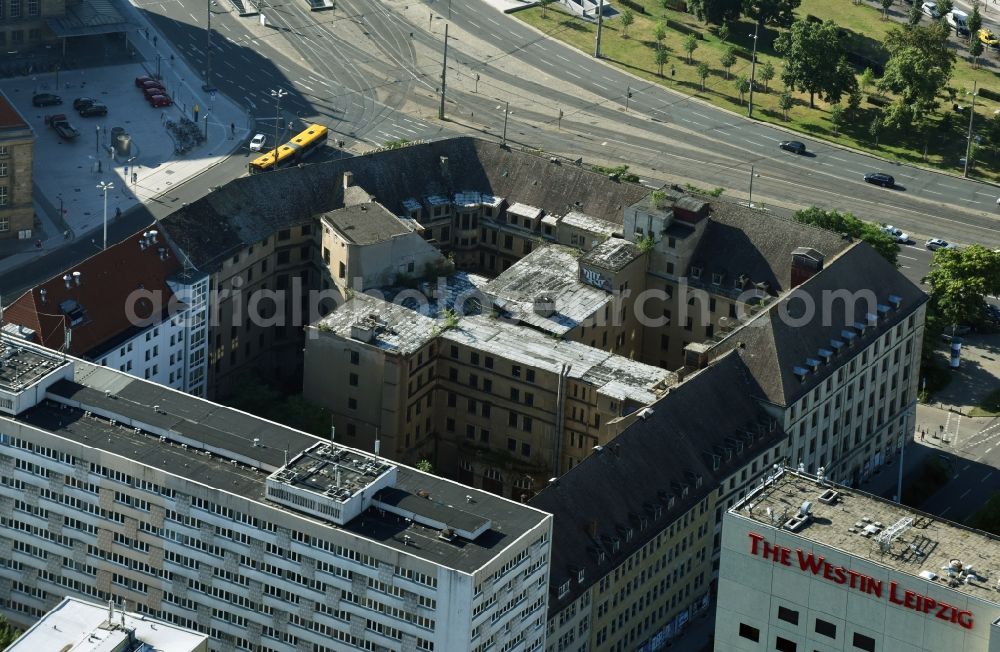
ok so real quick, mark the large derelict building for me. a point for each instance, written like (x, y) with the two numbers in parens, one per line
(262, 537)
(809, 565)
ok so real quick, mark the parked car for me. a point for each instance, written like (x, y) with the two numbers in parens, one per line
(153, 90)
(880, 179)
(988, 38)
(82, 102)
(793, 146)
(937, 243)
(152, 84)
(94, 110)
(898, 234)
(60, 124)
(257, 143)
(959, 20)
(159, 100)
(992, 312)
(139, 81)
(45, 99)
(930, 9)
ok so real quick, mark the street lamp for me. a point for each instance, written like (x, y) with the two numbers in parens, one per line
(129, 166)
(752, 175)
(105, 186)
(97, 141)
(277, 95)
(968, 144)
(753, 68)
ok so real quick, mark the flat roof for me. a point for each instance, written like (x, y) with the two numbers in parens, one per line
(21, 367)
(395, 327)
(550, 271)
(79, 626)
(366, 223)
(591, 224)
(611, 374)
(334, 469)
(882, 532)
(613, 254)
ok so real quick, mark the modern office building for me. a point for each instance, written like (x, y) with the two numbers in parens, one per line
(133, 307)
(262, 537)
(17, 148)
(76, 625)
(811, 565)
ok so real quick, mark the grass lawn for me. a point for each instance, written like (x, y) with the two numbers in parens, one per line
(636, 53)
(990, 407)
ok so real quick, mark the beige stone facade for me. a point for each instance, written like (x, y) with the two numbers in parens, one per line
(17, 140)
(22, 22)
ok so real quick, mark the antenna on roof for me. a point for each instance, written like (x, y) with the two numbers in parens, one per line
(333, 432)
(286, 457)
(378, 444)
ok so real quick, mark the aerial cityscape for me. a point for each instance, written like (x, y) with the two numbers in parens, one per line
(499, 325)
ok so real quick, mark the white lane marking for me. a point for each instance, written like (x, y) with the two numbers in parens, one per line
(474, 25)
(493, 21)
(907, 257)
(559, 56)
(603, 88)
(309, 88)
(965, 494)
(702, 115)
(541, 47)
(837, 158)
(987, 476)
(969, 201)
(572, 74)
(193, 17)
(229, 63)
(933, 192)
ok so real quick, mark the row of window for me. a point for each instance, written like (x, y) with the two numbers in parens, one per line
(822, 627)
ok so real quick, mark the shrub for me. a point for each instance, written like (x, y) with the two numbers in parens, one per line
(878, 100)
(634, 6)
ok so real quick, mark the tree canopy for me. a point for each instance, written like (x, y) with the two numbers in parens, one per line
(7, 633)
(771, 12)
(815, 61)
(715, 11)
(919, 66)
(848, 224)
(960, 280)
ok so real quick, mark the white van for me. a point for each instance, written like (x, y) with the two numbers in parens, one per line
(959, 20)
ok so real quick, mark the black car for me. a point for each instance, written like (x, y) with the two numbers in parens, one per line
(46, 99)
(93, 110)
(793, 146)
(880, 179)
(83, 102)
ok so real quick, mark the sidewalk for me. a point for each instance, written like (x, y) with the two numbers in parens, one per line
(66, 174)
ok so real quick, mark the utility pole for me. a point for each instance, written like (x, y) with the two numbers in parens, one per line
(628, 95)
(444, 72)
(600, 25)
(968, 143)
(277, 95)
(750, 200)
(506, 110)
(753, 68)
(208, 49)
(105, 187)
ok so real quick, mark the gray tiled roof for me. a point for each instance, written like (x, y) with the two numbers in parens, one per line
(773, 345)
(248, 209)
(760, 245)
(643, 466)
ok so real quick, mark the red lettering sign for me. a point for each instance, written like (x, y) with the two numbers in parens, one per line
(819, 566)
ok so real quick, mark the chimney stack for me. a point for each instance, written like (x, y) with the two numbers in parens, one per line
(76, 278)
(348, 180)
(806, 263)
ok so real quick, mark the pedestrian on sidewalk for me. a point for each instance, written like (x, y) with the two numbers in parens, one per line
(147, 33)
(118, 212)
(232, 130)
(155, 39)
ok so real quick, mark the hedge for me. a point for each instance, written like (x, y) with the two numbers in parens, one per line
(634, 6)
(879, 101)
(988, 94)
(676, 5)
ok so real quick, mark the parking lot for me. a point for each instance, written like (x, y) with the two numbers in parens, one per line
(67, 171)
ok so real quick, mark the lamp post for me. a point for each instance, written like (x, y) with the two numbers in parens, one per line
(97, 140)
(753, 68)
(506, 112)
(752, 175)
(277, 95)
(968, 143)
(105, 186)
(130, 166)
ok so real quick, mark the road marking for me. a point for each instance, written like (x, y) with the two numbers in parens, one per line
(837, 158)
(309, 88)
(251, 103)
(474, 25)
(987, 476)
(985, 194)
(907, 257)
(934, 192)
(702, 115)
(965, 494)
(493, 21)
(559, 56)
(945, 510)
(971, 201)
(571, 74)
(603, 88)
(966, 467)
(192, 17)
(541, 47)
(228, 63)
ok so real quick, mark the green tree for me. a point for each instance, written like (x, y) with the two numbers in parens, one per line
(815, 61)
(716, 12)
(913, 15)
(780, 13)
(661, 57)
(628, 17)
(785, 103)
(727, 59)
(660, 33)
(919, 66)
(766, 73)
(425, 466)
(848, 224)
(875, 129)
(544, 4)
(992, 132)
(690, 45)
(853, 102)
(976, 50)
(703, 71)
(975, 22)
(723, 32)
(885, 9)
(959, 281)
(7, 633)
(943, 7)
(742, 86)
(838, 118)
(866, 80)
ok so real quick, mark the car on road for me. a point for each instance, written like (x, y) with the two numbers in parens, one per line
(257, 143)
(992, 312)
(988, 38)
(793, 146)
(959, 20)
(82, 102)
(159, 100)
(937, 243)
(898, 234)
(880, 179)
(94, 110)
(930, 9)
(45, 99)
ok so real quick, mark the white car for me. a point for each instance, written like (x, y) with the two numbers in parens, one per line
(930, 9)
(898, 234)
(937, 243)
(257, 143)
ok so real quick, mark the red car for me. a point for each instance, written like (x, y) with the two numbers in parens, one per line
(150, 91)
(159, 100)
(152, 84)
(139, 81)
